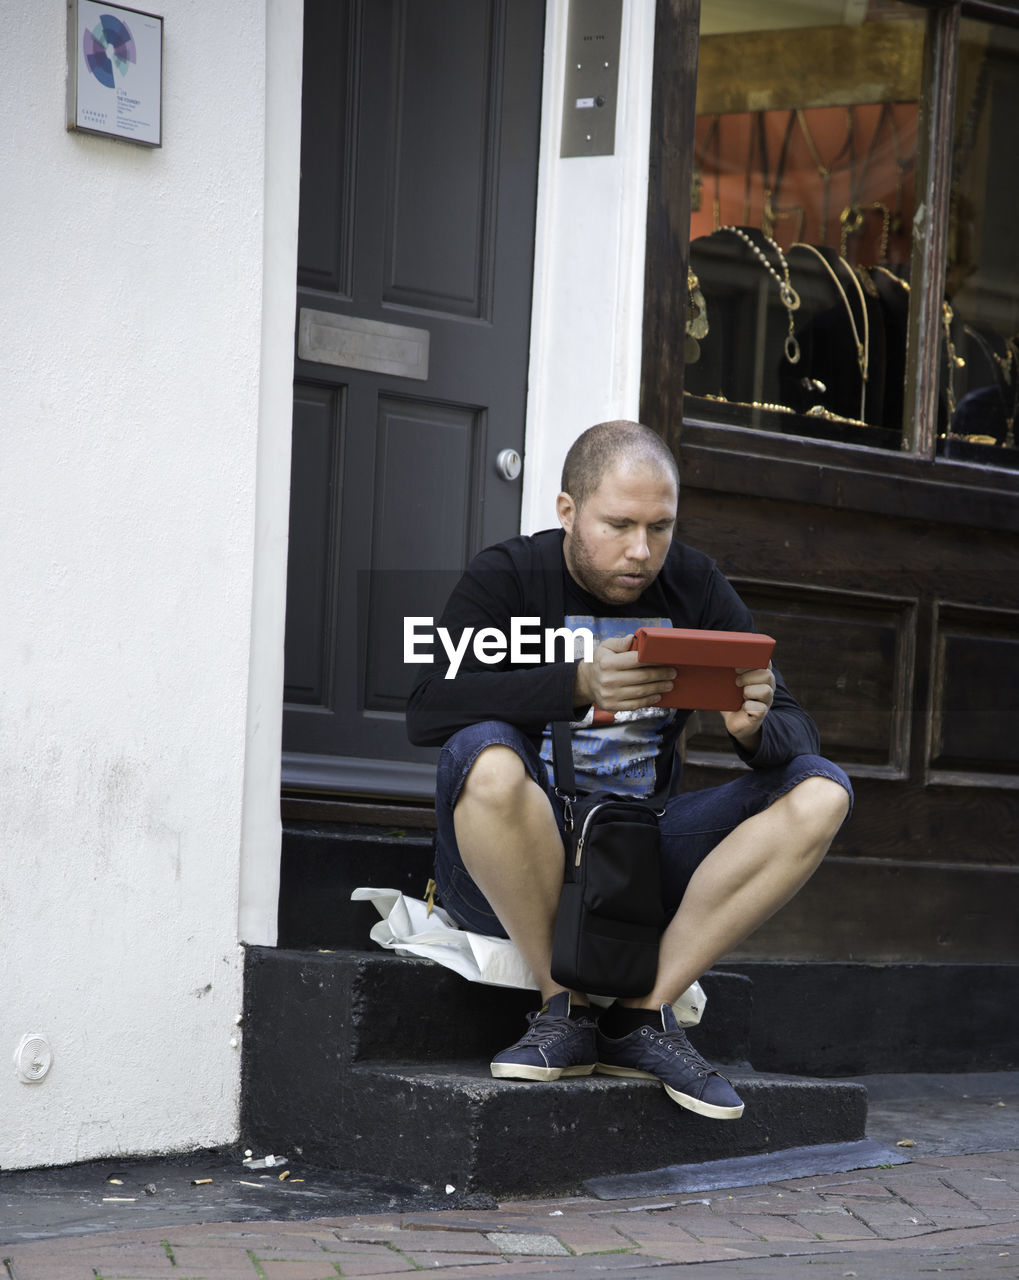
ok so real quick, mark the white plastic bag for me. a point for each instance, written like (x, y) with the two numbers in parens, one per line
(408, 929)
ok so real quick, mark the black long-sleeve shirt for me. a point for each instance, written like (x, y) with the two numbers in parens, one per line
(514, 579)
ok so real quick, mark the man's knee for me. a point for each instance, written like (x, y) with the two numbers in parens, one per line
(817, 803)
(495, 780)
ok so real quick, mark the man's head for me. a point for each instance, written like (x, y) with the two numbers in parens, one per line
(620, 488)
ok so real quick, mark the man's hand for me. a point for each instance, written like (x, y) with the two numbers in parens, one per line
(614, 680)
(758, 691)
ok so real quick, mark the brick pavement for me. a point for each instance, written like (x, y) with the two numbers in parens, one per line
(939, 1212)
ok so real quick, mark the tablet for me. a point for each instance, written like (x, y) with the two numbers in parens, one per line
(705, 663)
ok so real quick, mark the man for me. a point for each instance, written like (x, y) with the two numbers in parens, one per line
(732, 855)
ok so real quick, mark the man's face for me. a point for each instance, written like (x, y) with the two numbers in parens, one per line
(617, 541)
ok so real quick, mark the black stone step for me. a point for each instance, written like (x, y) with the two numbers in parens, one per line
(452, 1123)
(379, 1063)
(856, 1018)
(322, 863)
(360, 1007)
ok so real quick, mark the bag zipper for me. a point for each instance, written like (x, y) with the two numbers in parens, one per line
(587, 823)
(583, 830)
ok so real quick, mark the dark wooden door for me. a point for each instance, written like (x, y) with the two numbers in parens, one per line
(419, 167)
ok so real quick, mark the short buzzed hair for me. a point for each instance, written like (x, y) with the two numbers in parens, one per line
(603, 447)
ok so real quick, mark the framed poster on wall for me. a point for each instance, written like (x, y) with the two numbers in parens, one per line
(115, 72)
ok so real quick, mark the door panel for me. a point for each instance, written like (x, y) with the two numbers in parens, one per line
(445, 150)
(419, 166)
(316, 469)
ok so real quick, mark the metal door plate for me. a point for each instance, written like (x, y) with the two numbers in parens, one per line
(355, 343)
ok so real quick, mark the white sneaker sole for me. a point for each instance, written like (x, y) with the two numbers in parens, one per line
(513, 1071)
(684, 1099)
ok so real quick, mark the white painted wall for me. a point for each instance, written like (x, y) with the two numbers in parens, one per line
(587, 312)
(137, 540)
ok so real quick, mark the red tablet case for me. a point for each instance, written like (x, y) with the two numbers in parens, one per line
(705, 663)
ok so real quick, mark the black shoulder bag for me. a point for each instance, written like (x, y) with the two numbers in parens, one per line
(610, 917)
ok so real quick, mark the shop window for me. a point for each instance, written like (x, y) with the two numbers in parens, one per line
(980, 349)
(802, 216)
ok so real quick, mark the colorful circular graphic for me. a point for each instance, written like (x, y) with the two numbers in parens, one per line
(109, 44)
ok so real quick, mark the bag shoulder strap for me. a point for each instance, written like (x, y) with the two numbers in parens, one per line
(562, 739)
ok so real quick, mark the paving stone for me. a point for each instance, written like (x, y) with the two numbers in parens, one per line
(592, 1237)
(933, 1190)
(516, 1242)
(431, 1241)
(145, 1261)
(432, 1261)
(330, 1245)
(503, 1270)
(235, 1271)
(196, 1259)
(702, 1226)
(298, 1251)
(770, 1201)
(373, 1262)
(692, 1251)
(454, 1221)
(985, 1190)
(648, 1230)
(41, 1267)
(299, 1270)
(858, 1189)
(769, 1227)
(139, 1271)
(834, 1223)
(892, 1220)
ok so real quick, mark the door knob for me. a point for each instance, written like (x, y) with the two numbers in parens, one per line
(508, 464)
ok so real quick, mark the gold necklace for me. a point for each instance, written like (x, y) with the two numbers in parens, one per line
(790, 298)
(953, 360)
(862, 345)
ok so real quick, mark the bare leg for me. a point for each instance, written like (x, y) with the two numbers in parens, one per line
(511, 846)
(755, 870)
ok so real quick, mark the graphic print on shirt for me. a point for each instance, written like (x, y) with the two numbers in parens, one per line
(620, 754)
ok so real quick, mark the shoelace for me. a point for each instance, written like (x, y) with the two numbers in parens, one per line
(545, 1027)
(676, 1042)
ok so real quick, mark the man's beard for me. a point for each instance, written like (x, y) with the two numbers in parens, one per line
(604, 584)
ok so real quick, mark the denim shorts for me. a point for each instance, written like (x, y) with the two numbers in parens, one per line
(693, 824)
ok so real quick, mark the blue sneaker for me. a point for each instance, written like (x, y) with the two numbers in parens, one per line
(668, 1056)
(555, 1045)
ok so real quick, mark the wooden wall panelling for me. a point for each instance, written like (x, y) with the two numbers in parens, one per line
(974, 697)
(889, 912)
(850, 659)
(871, 565)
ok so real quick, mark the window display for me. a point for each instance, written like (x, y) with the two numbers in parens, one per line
(802, 214)
(980, 369)
(802, 219)
(804, 204)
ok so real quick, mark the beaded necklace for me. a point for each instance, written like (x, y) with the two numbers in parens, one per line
(790, 298)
